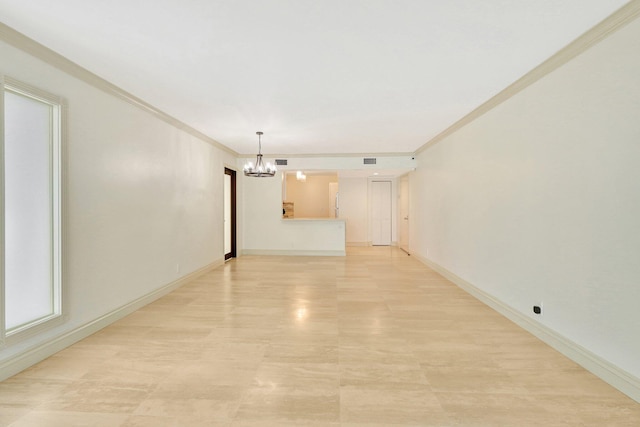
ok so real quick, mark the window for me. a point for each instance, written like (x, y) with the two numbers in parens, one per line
(30, 228)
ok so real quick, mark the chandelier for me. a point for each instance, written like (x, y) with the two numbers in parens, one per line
(259, 170)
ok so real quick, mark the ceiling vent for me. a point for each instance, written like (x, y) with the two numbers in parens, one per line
(281, 162)
(369, 160)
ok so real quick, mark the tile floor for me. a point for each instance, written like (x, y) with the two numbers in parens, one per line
(371, 339)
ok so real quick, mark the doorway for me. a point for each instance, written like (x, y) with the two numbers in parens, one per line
(404, 213)
(229, 213)
(381, 213)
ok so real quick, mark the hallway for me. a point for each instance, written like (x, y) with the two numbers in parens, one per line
(371, 339)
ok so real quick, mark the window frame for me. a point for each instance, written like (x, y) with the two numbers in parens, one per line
(57, 175)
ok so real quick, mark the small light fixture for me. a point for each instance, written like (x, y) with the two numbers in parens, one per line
(300, 176)
(259, 170)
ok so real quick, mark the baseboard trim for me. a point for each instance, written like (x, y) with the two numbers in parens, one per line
(613, 375)
(358, 244)
(31, 356)
(292, 252)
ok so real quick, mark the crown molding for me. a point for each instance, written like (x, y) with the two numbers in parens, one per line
(320, 155)
(43, 53)
(601, 31)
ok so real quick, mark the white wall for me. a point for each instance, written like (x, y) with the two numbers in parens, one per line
(266, 232)
(354, 209)
(354, 199)
(538, 200)
(348, 162)
(142, 197)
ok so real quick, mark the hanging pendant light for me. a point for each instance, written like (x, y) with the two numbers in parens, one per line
(260, 170)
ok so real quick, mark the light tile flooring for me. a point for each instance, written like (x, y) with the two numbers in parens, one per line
(371, 339)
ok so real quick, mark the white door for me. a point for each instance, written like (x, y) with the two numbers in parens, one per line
(381, 213)
(404, 213)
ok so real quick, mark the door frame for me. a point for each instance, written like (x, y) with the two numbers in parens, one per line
(233, 252)
(404, 207)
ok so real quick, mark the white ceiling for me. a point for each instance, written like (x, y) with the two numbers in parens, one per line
(317, 76)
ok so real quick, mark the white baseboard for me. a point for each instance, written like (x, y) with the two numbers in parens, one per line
(292, 252)
(364, 244)
(618, 378)
(33, 355)
(358, 244)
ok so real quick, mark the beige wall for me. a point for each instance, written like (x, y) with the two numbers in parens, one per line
(310, 197)
(354, 208)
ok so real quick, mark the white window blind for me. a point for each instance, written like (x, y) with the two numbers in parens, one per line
(31, 214)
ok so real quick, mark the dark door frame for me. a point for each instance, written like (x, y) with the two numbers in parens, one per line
(232, 174)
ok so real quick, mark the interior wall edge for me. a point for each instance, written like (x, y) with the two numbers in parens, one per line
(623, 16)
(31, 356)
(280, 252)
(611, 374)
(359, 244)
(331, 155)
(50, 57)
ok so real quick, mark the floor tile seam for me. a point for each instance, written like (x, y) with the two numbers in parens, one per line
(42, 408)
(147, 387)
(377, 383)
(519, 393)
(180, 399)
(64, 412)
(28, 405)
(243, 401)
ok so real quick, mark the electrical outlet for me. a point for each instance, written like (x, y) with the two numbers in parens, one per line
(177, 268)
(537, 309)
